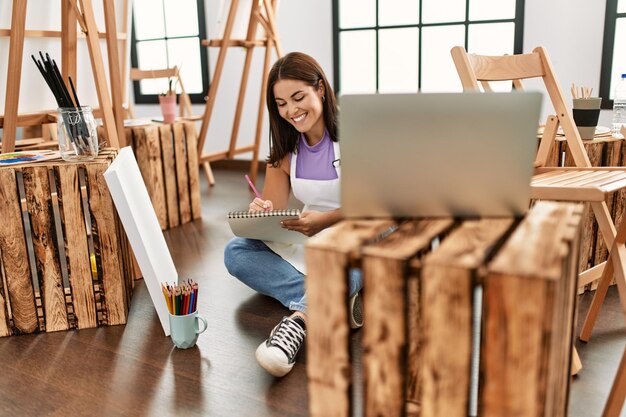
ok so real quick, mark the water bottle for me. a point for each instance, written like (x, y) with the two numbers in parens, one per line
(619, 107)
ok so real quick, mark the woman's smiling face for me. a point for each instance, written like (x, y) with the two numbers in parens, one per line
(301, 105)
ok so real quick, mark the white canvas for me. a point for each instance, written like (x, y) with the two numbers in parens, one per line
(131, 199)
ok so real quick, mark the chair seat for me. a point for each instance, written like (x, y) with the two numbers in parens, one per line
(577, 185)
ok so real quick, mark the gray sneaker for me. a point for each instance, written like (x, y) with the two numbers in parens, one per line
(278, 353)
(356, 311)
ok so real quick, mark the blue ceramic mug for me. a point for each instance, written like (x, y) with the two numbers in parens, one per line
(185, 329)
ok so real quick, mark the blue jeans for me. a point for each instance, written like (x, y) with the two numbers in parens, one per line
(257, 266)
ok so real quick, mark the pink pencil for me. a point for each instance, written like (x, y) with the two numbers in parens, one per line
(256, 192)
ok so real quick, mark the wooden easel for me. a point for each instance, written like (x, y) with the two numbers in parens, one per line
(262, 12)
(72, 13)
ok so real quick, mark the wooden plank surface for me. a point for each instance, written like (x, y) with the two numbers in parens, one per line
(528, 339)
(193, 167)
(38, 201)
(104, 217)
(169, 169)
(76, 246)
(155, 175)
(182, 175)
(543, 251)
(5, 329)
(328, 258)
(384, 337)
(448, 278)
(15, 257)
(414, 340)
(514, 377)
(328, 363)
(148, 154)
(564, 360)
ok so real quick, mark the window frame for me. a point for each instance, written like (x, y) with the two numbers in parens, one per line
(196, 98)
(608, 45)
(518, 20)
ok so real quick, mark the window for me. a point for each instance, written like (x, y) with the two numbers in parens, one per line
(403, 46)
(167, 33)
(614, 50)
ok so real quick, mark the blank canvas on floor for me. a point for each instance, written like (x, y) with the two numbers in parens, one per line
(133, 205)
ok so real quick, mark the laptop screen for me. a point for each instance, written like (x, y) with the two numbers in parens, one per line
(431, 155)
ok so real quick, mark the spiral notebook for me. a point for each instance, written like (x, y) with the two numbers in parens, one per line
(265, 225)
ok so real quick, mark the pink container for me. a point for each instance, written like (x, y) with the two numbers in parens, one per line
(168, 108)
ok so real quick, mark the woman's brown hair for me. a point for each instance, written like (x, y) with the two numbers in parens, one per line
(301, 67)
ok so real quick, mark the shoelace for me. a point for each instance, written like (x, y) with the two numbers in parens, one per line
(288, 336)
(357, 310)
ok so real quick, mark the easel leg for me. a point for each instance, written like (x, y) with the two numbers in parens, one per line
(115, 73)
(14, 76)
(271, 41)
(68, 41)
(221, 58)
(209, 173)
(254, 165)
(97, 66)
(240, 101)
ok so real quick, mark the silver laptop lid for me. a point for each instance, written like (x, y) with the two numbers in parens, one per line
(450, 154)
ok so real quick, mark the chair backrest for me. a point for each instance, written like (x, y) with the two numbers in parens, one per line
(137, 74)
(474, 69)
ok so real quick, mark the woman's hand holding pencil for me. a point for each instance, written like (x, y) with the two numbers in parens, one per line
(181, 299)
(258, 204)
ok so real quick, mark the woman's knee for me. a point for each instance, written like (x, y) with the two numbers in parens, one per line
(231, 251)
(236, 252)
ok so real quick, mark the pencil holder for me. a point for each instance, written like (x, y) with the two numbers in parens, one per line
(76, 132)
(586, 112)
(168, 108)
(185, 329)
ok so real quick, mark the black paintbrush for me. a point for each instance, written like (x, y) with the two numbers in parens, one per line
(74, 91)
(59, 79)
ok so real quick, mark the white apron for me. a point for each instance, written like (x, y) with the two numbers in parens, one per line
(318, 195)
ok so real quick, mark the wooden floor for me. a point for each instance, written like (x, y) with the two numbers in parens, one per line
(134, 370)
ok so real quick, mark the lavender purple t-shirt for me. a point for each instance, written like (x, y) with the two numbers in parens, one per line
(316, 162)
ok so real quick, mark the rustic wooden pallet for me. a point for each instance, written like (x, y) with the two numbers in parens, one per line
(420, 278)
(64, 257)
(167, 156)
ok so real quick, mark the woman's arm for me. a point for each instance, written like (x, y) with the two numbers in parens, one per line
(276, 188)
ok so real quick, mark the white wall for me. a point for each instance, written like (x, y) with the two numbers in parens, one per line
(571, 30)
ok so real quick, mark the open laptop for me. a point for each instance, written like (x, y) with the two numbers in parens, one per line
(430, 155)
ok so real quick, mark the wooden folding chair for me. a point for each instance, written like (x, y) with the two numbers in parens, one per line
(615, 402)
(582, 182)
(184, 106)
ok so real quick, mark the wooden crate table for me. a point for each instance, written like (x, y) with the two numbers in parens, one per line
(64, 258)
(167, 156)
(420, 276)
